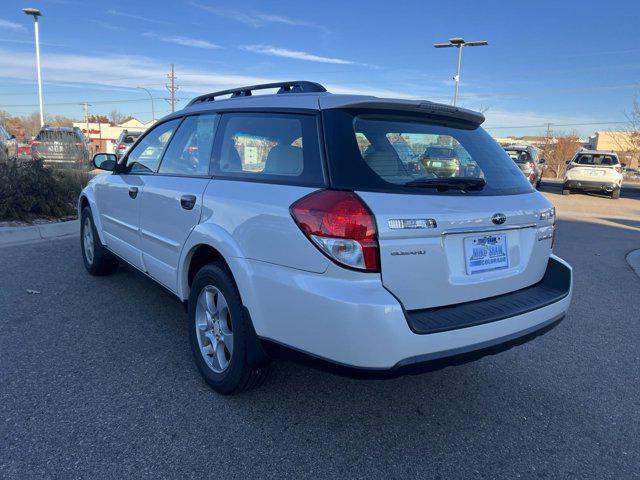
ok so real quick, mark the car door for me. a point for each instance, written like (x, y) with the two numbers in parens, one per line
(171, 201)
(118, 195)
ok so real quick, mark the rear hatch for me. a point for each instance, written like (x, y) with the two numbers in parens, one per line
(443, 240)
(462, 255)
(595, 167)
(59, 147)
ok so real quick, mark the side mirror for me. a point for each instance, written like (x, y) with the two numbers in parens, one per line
(568, 162)
(12, 137)
(542, 160)
(105, 161)
(623, 165)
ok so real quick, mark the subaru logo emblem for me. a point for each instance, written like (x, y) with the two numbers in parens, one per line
(499, 218)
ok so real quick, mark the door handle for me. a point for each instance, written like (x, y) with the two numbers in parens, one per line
(188, 201)
(133, 192)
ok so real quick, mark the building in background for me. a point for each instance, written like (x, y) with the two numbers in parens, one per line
(623, 143)
(104, 135)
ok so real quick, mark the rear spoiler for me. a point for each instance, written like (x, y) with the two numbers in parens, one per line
(418, 106)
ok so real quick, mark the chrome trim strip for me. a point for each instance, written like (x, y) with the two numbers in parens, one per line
(455, 231)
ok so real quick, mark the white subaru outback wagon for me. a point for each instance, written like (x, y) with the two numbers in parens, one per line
(307, 225)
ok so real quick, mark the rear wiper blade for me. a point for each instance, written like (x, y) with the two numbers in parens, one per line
(442, 184)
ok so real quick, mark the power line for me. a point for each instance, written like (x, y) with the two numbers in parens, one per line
(140, 100)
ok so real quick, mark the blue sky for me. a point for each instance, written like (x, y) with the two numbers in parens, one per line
(564, 62)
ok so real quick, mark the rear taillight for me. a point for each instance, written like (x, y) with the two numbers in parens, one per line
(35, 143)
(341, 225)
(618, 169)
(532, 176)
(121, 146)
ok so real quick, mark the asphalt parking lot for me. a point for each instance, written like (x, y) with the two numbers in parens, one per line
(97, 381)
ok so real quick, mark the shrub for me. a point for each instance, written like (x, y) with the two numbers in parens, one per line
(29, 190)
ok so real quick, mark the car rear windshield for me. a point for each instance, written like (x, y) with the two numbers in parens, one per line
(590, 159)
(410, 153)
(57, 136)
(130, 139)
(518, 156)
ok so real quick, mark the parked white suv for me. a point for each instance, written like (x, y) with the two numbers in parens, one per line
(594, 171)
(291, 227)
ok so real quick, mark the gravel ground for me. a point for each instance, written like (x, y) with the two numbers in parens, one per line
(96, 380)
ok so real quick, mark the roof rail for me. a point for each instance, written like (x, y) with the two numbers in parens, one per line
(301, 86)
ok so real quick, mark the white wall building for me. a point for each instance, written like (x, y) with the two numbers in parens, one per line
(104, 135)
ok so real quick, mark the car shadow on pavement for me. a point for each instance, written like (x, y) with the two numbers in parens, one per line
(624, 221)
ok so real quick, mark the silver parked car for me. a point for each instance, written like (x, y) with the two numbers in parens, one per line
(8, 145)
(124, 142)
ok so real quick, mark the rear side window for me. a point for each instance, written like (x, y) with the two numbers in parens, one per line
(589, 159)
(393, 152)
(279, 148)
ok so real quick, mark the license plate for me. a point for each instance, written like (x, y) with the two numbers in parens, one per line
(484, 253)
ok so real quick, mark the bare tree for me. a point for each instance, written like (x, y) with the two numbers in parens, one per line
(557, 150)
(117, 117)
(629, 142)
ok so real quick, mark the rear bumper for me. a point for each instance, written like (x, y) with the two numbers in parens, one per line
(349, 323)
(590, 185)
(414, 365)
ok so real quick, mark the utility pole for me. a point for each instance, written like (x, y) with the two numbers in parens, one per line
(86, 106)
(172, 88)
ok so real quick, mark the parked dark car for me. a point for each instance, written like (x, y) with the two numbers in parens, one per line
(8, 145)
(441, 161)
(529, 161)
(61, 147)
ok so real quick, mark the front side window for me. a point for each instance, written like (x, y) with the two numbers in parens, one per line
(189, 152)
(406, 152)
(145, 157)
(269, 147)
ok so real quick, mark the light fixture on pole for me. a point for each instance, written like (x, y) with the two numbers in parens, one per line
(153, 110)
(459, 43)
(35, 13)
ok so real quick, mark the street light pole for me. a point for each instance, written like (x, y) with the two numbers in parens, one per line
(459, 43)
(35, 13)
(153, 110)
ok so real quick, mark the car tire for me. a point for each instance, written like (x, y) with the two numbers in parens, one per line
(615, 194)
(97, 259)
(538, 184)
(566, 191)
(216, 314)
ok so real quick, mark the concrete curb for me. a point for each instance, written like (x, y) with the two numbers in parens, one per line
(633, 259)
(18, 235)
